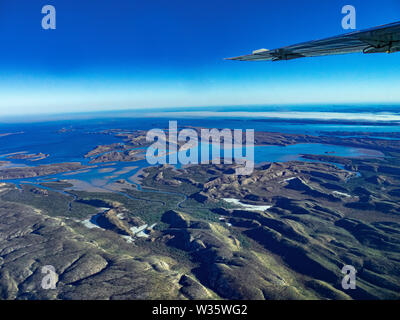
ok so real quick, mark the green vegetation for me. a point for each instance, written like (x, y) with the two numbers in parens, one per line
(148, 210)
(319, 218)
(50, 202)
(59, 185)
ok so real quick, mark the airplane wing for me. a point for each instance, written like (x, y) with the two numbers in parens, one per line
(379, 39)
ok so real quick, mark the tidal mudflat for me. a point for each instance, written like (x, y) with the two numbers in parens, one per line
(313, 203)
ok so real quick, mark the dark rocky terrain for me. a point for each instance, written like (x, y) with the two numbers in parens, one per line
(41, 170)
(296, 225)
(31, 157)
(319, 221)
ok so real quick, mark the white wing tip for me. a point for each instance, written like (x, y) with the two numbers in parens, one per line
(260, 50)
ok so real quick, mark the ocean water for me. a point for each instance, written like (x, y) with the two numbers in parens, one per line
(83, 135)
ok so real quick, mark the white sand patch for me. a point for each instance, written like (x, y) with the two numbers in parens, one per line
(342, 194)
(128, 239)
(89, 224)
(249, 207)
(142, 234)
(92, 225)
(152, 226)
(140, 231)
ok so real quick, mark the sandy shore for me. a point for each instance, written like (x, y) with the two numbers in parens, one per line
(135, 178)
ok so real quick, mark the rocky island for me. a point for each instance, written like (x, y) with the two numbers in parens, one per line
(202, 232)
(41, 170)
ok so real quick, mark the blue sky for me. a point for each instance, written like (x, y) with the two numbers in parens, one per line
(128, 54)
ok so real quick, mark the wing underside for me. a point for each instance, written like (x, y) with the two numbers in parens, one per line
(380, 39)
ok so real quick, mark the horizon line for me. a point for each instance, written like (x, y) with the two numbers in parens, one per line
(184, 111)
